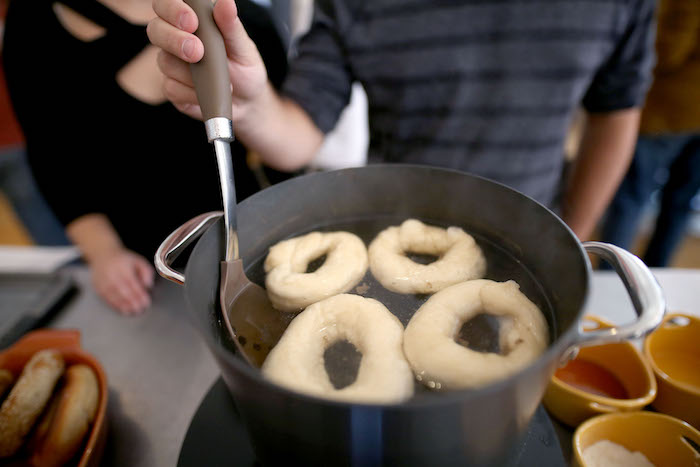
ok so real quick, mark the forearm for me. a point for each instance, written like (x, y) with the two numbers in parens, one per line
(603, 158)
(280, 131)
(121, 277)
(94, 236)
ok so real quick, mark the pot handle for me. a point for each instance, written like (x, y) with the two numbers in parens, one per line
(643, 289)
(172, 246)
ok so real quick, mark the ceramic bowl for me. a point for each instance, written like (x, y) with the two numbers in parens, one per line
(664, 440)
(66, 341)
(673, 350)
(601, 379)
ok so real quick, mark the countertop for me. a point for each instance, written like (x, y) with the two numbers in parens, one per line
(159, 369)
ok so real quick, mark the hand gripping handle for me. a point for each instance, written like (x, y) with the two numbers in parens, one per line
(210, 74)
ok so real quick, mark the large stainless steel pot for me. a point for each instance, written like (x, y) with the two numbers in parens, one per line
(523, 241)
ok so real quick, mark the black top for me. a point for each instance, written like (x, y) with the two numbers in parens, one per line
(93, 148)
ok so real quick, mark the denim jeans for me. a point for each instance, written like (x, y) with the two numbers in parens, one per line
(17, 183)
(670, 164)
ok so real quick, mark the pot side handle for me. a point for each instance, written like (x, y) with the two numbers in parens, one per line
(643, 289)
(172, 246)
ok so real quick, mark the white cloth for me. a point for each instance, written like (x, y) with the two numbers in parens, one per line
(346, 145)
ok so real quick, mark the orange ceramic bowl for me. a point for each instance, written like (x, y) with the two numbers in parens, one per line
(66, 341)
(674, 353)
(664, 440)
(621, 377)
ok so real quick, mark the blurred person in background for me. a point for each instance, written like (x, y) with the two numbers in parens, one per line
(667, 156)
(487, 88)
(120, 166)
(346, 144)
(16, 180)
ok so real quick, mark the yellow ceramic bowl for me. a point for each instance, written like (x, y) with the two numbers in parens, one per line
(621, 362)
(673, 351)
(661, 438)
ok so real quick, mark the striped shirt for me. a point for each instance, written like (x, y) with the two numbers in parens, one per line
(484, 86)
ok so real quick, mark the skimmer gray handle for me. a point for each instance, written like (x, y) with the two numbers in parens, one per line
(213, 86)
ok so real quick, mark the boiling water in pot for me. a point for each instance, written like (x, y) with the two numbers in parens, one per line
(481, 333)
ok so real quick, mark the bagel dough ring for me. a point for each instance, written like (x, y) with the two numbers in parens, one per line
(440, 362)
(297, 361)
(291, 288)
(460, 258)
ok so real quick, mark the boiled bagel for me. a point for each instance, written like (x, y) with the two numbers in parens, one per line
(62, 430)
(459, 257)
(297, 361)
(291, 288)
(28, 398)
(440, 362)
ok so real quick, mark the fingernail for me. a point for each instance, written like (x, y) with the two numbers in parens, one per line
(184, 21)
(188, 48)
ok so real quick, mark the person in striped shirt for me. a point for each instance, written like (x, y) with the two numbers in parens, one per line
(483, 86)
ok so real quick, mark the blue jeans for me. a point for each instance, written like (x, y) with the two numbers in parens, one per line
(17, 183)
(679, 158)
